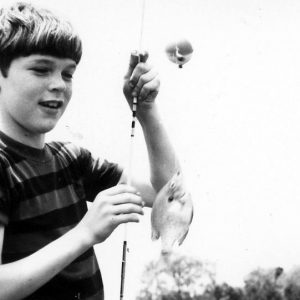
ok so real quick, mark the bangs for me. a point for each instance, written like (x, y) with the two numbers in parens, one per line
(28, 31)
(51, 40)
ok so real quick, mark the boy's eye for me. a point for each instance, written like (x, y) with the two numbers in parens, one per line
(40, 70)
(67, 75)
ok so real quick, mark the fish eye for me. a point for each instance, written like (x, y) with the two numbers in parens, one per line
(171, 198)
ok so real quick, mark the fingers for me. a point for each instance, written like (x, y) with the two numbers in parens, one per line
(149, 90)
(125, 208)
(144, 83)
(120, 188)
(135, 58)
(144, 56)
(127, 198)
(121, 219)
(112, 207)
(128, 209)
(144, 80)
(122, 195)
(141, 81)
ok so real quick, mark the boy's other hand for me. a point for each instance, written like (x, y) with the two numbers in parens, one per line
(112, 207)
(141, 81)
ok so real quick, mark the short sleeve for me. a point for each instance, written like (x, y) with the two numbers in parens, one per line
(4, 199)
(3, 211)
(99, 174)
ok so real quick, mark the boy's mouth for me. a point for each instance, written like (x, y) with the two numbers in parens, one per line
(53, 104)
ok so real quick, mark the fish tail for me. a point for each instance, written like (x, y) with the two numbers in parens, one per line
(165, 252)
(166, 246)
(164, 261)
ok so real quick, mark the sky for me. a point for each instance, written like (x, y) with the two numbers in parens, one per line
(232, 113)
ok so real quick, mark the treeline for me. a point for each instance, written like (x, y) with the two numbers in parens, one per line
(186, 278)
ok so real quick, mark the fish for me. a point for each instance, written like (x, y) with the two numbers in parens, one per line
(172, 214)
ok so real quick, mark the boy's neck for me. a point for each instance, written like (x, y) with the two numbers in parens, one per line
(24, 137)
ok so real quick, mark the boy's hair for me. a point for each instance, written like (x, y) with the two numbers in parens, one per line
(26, 30)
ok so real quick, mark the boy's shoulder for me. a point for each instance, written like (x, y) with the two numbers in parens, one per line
(63, 146)
(3, 150)
(12, 152)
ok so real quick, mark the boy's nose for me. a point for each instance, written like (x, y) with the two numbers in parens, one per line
(57, 83)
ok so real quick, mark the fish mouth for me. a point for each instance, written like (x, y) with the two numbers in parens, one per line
(181, 198)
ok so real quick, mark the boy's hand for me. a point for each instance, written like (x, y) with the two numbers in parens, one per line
(141, 81)
(112, 207)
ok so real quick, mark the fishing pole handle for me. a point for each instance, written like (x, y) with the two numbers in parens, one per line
(123, 269)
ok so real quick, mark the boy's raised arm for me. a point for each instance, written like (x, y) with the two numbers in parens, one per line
(142, 81)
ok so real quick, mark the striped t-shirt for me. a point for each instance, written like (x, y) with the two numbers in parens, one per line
(43, 194)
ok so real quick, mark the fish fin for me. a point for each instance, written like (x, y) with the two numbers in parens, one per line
(192, 215)
(154, 235)
(163, 263)
(182, 238)
(165, 257)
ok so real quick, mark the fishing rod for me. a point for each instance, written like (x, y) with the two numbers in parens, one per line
(131, 151)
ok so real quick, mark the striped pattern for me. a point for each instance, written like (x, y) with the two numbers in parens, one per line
(43, 194)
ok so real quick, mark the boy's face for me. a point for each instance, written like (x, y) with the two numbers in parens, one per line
(35, 93)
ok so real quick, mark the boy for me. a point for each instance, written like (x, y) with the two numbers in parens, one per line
(47, 233)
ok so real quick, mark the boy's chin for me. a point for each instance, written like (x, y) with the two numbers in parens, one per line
(45, 128)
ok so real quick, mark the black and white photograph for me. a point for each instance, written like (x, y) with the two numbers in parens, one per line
(150, 149)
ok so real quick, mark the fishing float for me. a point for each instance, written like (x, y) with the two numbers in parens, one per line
(179, 52)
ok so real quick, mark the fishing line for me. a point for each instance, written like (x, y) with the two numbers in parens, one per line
(131, 152)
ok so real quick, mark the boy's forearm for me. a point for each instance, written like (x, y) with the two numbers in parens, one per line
(162, 157)
(21, 278)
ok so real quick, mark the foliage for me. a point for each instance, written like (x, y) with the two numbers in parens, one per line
(175, 277)
(292, 286)
(185, 278)
(262, 285)
(226, 292)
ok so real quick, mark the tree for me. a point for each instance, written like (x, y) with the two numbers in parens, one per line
(227, 292)
(262, 285)
(176, 277)
(292, 285)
